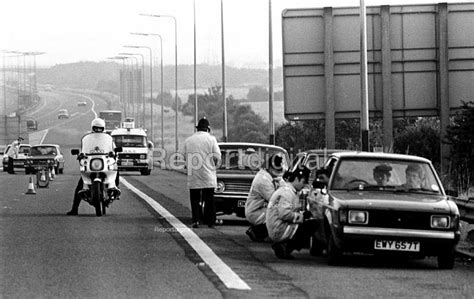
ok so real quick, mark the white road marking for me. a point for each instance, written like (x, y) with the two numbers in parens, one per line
(230, 279)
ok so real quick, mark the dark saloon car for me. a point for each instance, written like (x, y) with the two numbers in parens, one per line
(385, 204)
(45, 154)
(240, 162)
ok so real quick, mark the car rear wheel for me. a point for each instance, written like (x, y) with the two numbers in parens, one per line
(446, 260)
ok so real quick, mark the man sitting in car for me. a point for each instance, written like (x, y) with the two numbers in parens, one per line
(414, 176)
(381, 174)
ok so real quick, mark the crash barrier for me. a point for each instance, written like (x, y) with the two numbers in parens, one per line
(466, 208)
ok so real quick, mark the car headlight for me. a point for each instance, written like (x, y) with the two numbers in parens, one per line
(96, 164)
(440, 221)
(220, 187)
(142, 157)
(358, 217)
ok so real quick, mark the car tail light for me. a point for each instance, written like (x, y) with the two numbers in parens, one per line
(440, 221)
(358, 217)
(220, 187)
(96, 164)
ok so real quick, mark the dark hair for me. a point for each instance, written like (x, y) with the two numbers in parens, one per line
(383, 168)
(299, 173)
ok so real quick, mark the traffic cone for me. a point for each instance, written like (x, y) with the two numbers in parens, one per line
(31, 187)
(51, 174)
(43, 176)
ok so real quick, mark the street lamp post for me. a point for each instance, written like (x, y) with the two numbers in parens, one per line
(223, 74)
(151, 84)
(176, 68)
(132, 81)
(143, 84)
(161, 82)
(121, 79)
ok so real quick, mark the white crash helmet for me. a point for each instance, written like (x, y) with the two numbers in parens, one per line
(98, 125)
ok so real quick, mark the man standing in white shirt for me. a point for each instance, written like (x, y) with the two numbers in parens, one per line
(202, 153)
(12, 154)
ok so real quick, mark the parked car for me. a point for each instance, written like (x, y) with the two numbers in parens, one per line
(360, 212)
(18, 162)
(62, 113)
(81, 103)
(43, 153)
(240, 162)
(31, 124)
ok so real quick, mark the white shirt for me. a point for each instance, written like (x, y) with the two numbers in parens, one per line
(97, 143)
(200, 152)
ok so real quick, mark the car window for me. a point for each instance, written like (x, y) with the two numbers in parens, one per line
(351, 173)
(297, 161)
(24, 150)
(43, 150)
(248, 157)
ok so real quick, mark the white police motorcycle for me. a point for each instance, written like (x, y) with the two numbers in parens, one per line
(98, 166)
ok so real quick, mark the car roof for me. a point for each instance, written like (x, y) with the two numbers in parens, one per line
(45, 144)
(358, 154)
(248, 144)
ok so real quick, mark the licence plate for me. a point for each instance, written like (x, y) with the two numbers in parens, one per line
(241, 203)
(125, 163)
(413, 246)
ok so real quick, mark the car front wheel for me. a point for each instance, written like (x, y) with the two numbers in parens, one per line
(446, 260)
(334, 253)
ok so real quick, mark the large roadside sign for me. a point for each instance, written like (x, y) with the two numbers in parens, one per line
(420, 60)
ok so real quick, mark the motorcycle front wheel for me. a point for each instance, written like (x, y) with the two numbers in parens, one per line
(97, 194)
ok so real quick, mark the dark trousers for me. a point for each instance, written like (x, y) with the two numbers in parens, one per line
(303, 234)
(260, 231)
(203, 197)
(80, 185)
(11, 168)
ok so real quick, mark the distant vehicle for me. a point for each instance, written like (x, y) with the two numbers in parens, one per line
(32, 124)
(112, 118)
(19, 162)
(62, 113)
(137, 151)
(384, 204)
(81, 103)
(240, 163)
(43, 154)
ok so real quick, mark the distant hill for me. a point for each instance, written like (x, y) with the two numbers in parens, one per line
(97, 75)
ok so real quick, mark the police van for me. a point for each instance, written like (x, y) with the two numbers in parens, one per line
(137, 151)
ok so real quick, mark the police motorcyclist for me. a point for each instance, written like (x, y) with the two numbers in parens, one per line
(91, 140)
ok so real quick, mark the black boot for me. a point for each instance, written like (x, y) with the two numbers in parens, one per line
(72, 212)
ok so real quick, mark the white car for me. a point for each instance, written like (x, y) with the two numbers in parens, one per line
(40, 153)
(18, 162)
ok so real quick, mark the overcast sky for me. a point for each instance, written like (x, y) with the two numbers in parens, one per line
(92, 30)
